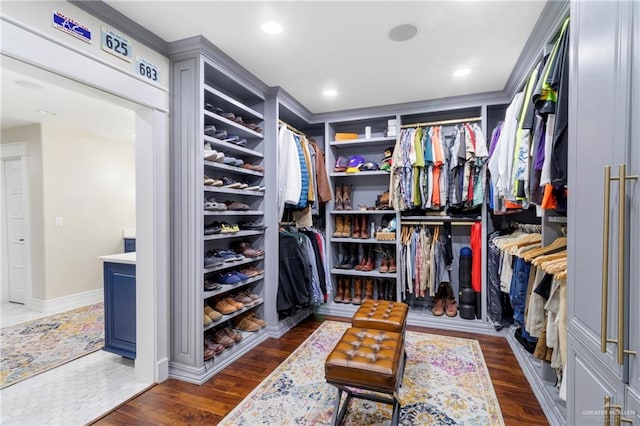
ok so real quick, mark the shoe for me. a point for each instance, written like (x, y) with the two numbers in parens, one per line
(252, 271)
(215, 347)
(212, 204)
(346, 197)
(228, 278)
(224, 307)
(227, 182)
(214, 109)
(233, 334)
(210, 285)
(235, 205)
(212, 155)
(357, 291)
(338, 205)
(256, 298)
(212, 228)
(212, 260)
(206, 320)
(243, 277)
(248, 251)
(339, 291)
(253, 317)
(253, 187)
(228, 115)
(220, 134)
(252, 225)
(208, 181)
(245, 324)
(210, 130)
(254, 167)
(244, 299)
(212, 313)
(233, 302)
(222, 339)
(339, 227)
(450, 307)
(226, 228)
(208, 353)
(229, 161)
(438, 307)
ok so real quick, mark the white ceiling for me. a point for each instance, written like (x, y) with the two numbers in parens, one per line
(75, 105)
(344, 45)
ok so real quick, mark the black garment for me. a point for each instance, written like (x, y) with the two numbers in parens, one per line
(494, 297)
(530, 115)
(295, 275)
(561, 135)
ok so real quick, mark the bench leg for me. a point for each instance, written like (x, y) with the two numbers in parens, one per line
(338, 413)
(395, 416)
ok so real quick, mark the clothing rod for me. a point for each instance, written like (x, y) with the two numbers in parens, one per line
(429, 222)
(293, 129)
(436, 123)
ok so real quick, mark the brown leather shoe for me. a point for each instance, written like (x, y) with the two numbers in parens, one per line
(438, 307)
(356, 227)
(339, 291)
(364, 233)
(451, 307)
(253, 317)
(233, 334)
(357, 291)
(346, 230)
(245, 324)
(347, 290)
(224, 307)
(222, 339)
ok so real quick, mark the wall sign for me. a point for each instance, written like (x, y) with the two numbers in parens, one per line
(147, 69)
(71, 26)
(116, 44)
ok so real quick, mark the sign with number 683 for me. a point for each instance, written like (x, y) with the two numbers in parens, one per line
(147, 70)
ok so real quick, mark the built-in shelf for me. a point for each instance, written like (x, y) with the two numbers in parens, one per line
(228, 104)
(557, 219)
(232, 315)
(232, 169)
(231, 353)
(226, 288)
(228, 147)
(437, 218)
(234, 264)
(360, 174)
(224, 190)
(371, 274)
(236, 129)
(361, 240)
(382, 141)
(238, 234)
(233, 213)
(363, 212)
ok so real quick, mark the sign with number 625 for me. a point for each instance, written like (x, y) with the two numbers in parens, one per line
(116, 44)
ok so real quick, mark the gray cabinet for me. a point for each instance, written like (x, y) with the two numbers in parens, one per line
(604, 272)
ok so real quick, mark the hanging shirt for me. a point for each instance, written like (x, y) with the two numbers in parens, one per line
(289, 171)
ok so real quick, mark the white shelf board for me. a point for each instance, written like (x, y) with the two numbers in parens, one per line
(360, 142)
(360, 174)
(234, 264)
(362, 212)
(226, 288)
(224, 190)
(360, 240)
(230, 147)
(371, 274)
(230, 101)
(232, 169)
(239, 234)
(233, 213)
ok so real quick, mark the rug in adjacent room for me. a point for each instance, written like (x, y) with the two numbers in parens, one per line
(36, 346)
(446, 382)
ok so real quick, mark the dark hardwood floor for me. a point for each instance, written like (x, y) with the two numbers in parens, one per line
(175, 402)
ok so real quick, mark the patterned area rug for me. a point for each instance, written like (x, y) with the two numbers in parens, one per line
(36, 346)
(446, 382)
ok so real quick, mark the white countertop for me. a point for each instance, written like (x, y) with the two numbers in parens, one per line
(120, 258)
(129, 233)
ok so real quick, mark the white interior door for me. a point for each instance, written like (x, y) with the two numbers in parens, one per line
(15, 230)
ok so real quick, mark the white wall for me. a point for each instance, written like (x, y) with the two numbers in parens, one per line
(88, 182)
(31, 135)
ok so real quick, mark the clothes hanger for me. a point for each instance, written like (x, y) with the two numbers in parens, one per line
(540, 259)
(559, 243)
(526, 240)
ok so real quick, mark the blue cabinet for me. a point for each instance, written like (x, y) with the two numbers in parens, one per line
(129, 245)
(120, 309)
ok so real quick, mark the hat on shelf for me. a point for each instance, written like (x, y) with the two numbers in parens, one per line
(354, 164)
(387, 160)
(369, 166)
(341, 164)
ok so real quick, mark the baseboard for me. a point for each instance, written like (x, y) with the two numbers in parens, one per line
(288, 323)
(66, 303)
(162, 370)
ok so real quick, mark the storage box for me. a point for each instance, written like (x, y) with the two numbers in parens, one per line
(346, 136)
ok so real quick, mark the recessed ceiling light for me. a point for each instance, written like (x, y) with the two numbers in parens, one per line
(271, 27)
(29, 85)
(45, 112)
(403, 32)
(330, 93)
(461, 72)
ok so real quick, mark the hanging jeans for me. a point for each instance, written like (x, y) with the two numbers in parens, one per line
(518, 290)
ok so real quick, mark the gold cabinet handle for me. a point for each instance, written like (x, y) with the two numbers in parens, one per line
(622, 204)
(617, 416)
(607, 409)
(605, 266)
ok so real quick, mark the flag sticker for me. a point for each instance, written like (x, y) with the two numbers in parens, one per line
(71, 26)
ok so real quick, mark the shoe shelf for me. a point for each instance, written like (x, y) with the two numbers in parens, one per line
(380, 141)
(226, 288)
(436, 218)
(361, 240)
(230, 354)
(227, 265)
(233, 213)
(360, 174)
(228, 104)
(239, 234)
(232, 169)
(372, 274)
(236, 129)
(224, 190)
(232, 315)
(362, 212)
(230, 147)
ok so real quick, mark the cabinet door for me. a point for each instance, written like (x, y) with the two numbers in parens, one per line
(120, 309)
(598, 132)
(588, 386)
(631, 408)
(633, 195)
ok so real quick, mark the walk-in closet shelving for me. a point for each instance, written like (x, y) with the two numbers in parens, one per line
(229, 107)
(370, 138)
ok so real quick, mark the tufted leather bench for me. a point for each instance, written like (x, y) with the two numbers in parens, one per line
(381, 315)
(366, 359)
